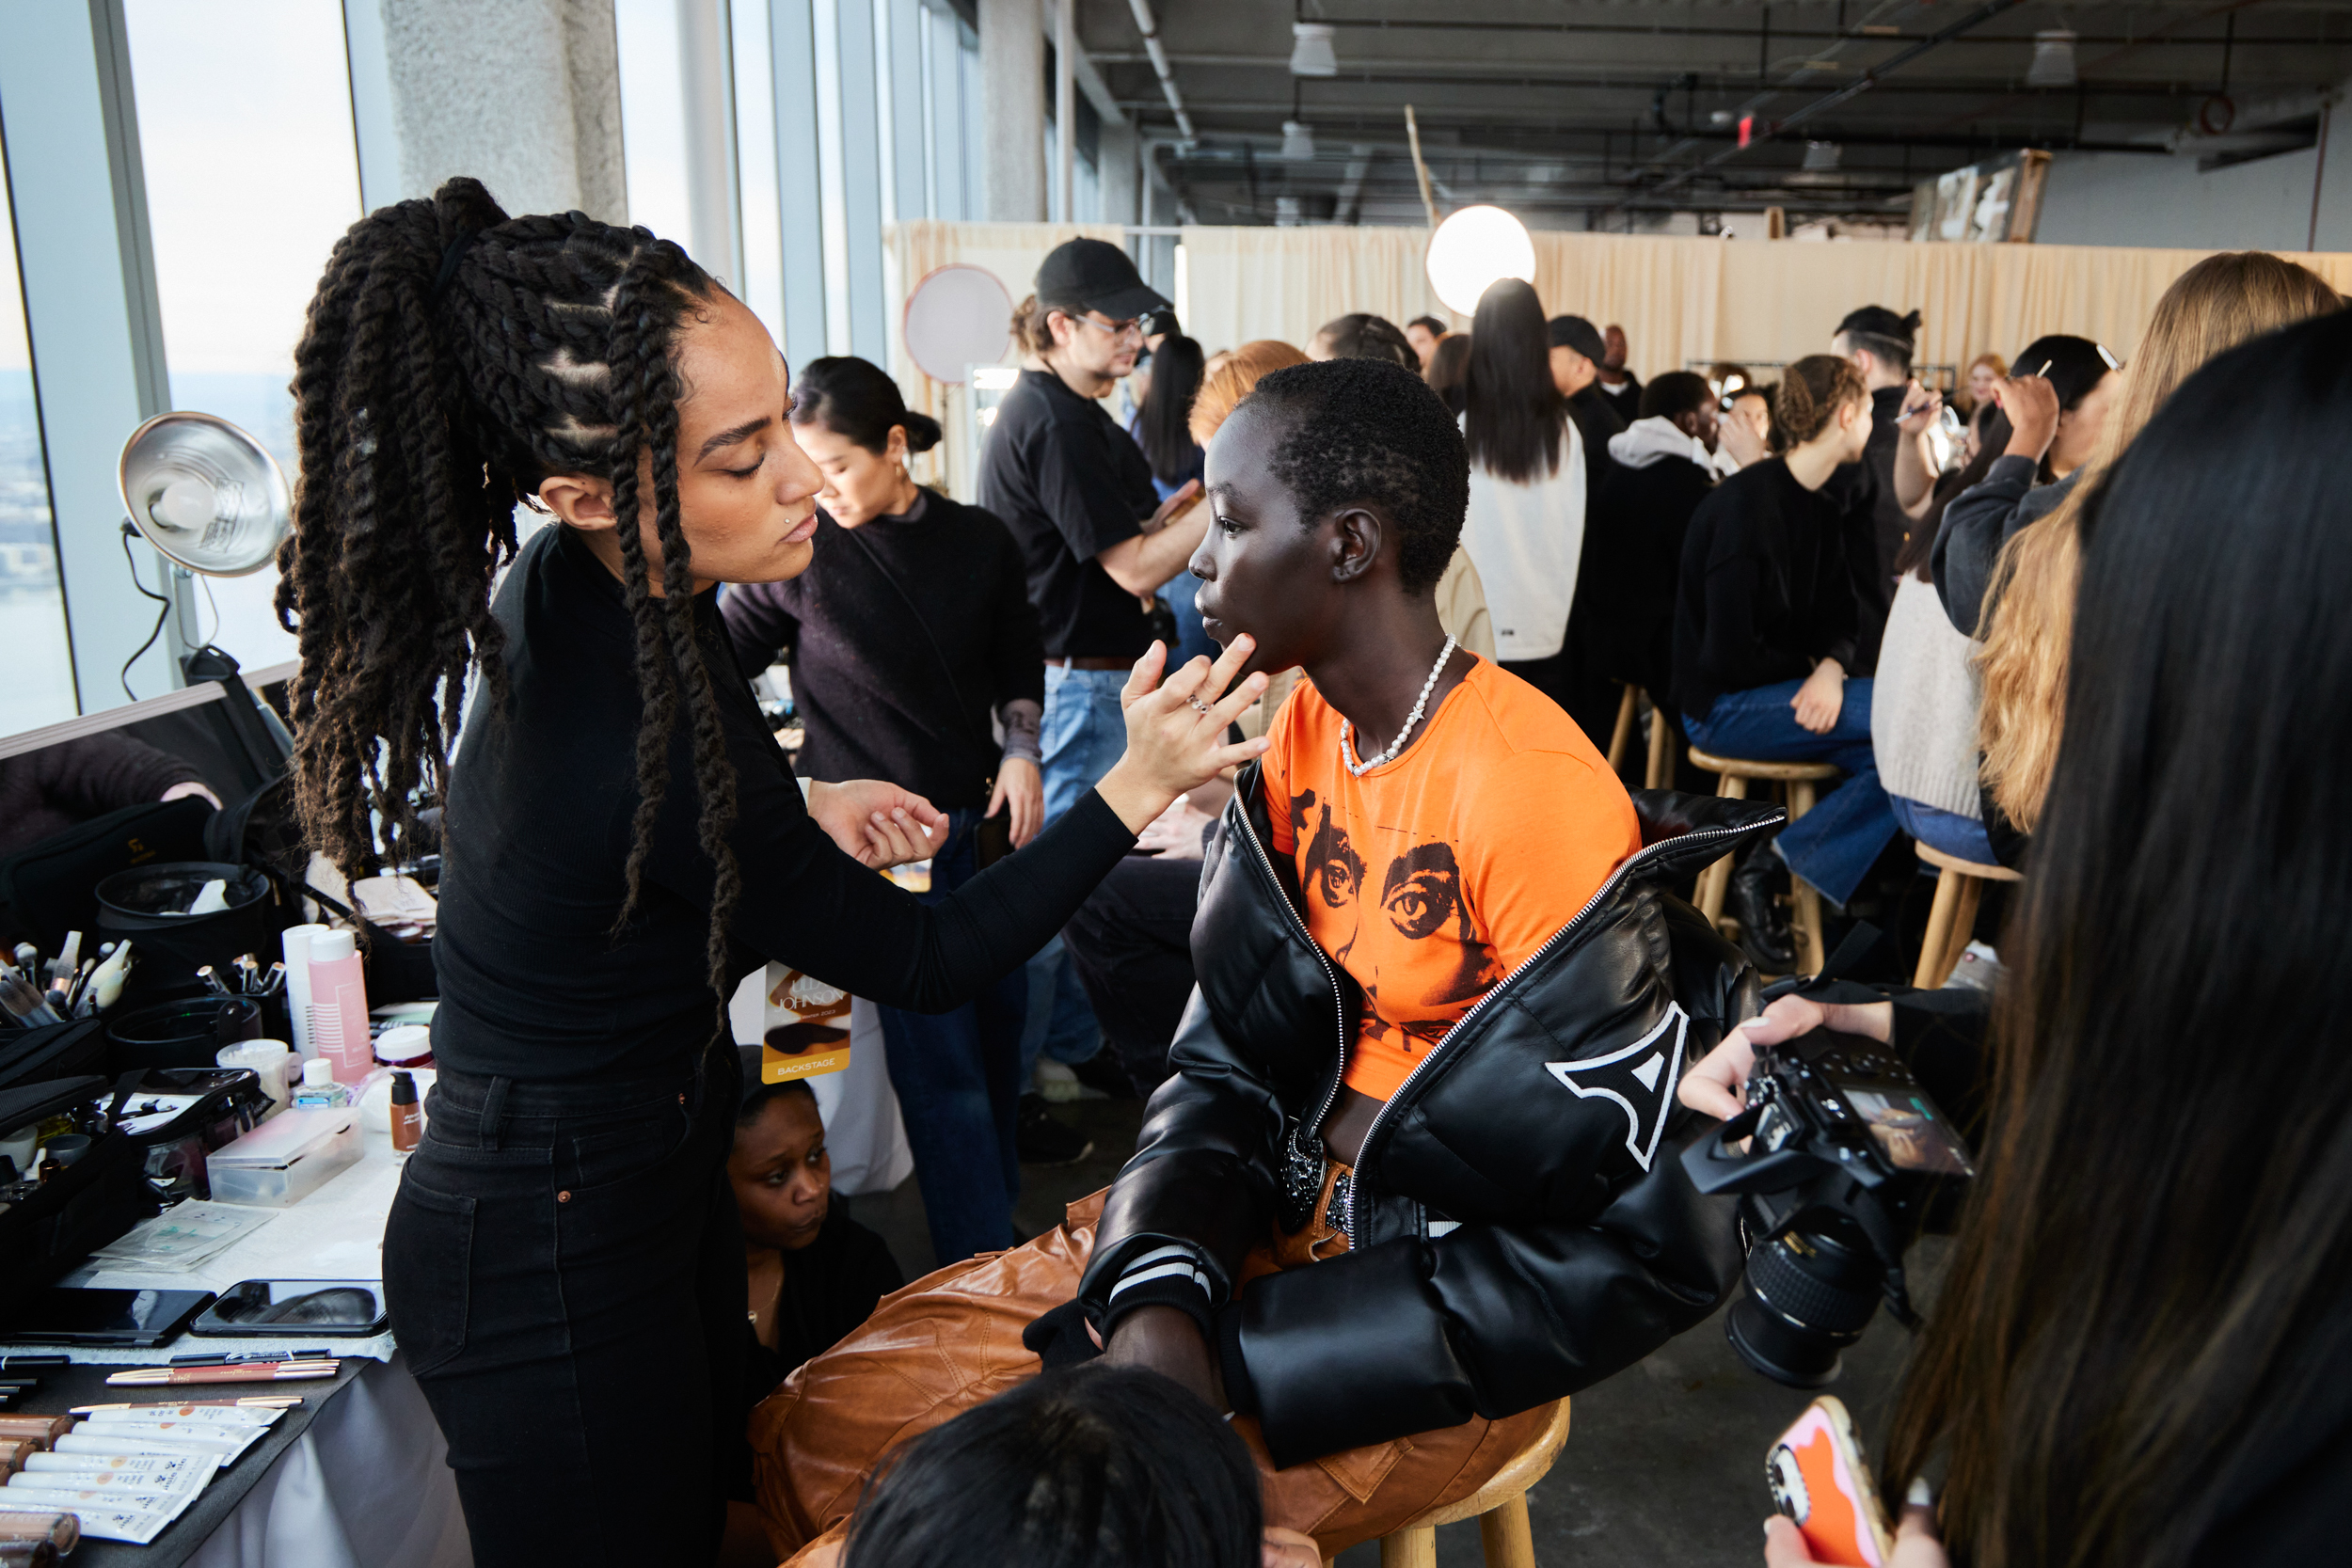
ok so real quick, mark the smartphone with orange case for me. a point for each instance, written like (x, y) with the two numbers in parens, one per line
(1820, 1480)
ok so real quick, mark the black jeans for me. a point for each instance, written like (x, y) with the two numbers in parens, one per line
(564, 1271)
(1131, 942)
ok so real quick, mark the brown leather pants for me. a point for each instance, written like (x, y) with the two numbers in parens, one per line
(952, 1340)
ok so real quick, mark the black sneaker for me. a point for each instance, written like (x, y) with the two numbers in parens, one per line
(1043, 1141)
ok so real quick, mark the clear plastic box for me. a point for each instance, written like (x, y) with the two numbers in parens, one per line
(286, 1158)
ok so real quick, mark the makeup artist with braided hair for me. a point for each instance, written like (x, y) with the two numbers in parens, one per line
(622, 841)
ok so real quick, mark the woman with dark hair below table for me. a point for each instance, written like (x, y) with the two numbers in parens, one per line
(1414, 1177)
(914, 634)
(623, 842)
(1764, 626)
(2141, 1356)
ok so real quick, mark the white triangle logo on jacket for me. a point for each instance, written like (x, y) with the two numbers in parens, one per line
(1640, 1078)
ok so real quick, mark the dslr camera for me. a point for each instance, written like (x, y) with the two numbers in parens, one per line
(1845, 1154)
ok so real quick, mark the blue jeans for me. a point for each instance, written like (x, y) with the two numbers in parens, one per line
(957, 1075)
(1941, 829)
(1834, 845)
(1084, 732)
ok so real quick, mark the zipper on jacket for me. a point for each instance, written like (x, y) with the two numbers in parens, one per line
(1311, 1127)
(1363, 1151)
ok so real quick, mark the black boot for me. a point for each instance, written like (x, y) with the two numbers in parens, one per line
(1764, 933)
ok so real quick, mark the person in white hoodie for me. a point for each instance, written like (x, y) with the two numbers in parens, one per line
(1525, 527)
(1622, 629)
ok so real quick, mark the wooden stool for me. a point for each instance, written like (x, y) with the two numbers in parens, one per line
(1798, 779)
(1953, 915)
(1659, 772)
(1500, 1507)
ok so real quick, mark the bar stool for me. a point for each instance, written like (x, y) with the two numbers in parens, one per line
(1797, 780)
(1500, 1507)
(1959, 885)
(1660, 769)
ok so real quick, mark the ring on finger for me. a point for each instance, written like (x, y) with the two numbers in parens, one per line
(1198, 704)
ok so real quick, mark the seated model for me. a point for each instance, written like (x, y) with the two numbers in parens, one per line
(1415, 1175)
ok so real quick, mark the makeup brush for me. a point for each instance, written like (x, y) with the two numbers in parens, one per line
(256, 1371)
(22, 1001)
(105, 986)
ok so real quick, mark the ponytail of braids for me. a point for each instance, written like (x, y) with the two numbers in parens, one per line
(454, 359)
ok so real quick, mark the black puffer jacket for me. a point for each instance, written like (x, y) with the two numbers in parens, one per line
(1519, 1224)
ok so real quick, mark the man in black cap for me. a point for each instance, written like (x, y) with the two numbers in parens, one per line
(1577, 351)
(1879, 344)
(1098, 544)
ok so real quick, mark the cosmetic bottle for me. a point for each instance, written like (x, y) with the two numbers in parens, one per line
(297, 946)
(407, 1119)
(318, 1090)
(339, 1006)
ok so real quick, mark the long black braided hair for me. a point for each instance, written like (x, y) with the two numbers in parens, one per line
(454, 359)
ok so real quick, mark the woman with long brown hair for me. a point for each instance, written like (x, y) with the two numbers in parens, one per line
(623, 842)
(2217, 304)
(2142, 1356)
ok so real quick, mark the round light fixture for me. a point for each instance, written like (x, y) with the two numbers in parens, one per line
(1471, 249)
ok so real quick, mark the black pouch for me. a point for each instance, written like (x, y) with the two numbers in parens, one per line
(68, 1049)
(51, 886)
(46, 1232)
(139, 905)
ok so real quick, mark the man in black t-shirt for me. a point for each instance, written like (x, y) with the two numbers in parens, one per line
(1577, 351)
(1077, 493)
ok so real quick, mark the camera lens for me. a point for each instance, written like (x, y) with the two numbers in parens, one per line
(1806, 1295)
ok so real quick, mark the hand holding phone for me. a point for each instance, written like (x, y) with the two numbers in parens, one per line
(1175, 507)
(1820, 1480)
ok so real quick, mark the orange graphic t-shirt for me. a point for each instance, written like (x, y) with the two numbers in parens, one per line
(1432, 877)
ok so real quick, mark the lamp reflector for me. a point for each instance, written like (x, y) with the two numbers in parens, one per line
(205, 494)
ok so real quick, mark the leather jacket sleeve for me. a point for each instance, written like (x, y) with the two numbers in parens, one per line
(1488, 1320)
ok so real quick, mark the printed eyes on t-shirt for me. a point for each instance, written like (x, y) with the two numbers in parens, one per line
(1421, 891)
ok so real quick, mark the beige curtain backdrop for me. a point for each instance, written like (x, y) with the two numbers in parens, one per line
(1681, 300)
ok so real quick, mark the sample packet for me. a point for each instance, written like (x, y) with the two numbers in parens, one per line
(197, 1415)
(139, 1442)
(169, 1472)
(99, 1522)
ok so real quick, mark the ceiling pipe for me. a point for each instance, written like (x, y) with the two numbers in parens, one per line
(1149, 28)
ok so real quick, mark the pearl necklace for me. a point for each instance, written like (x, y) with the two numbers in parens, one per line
(1420, 704)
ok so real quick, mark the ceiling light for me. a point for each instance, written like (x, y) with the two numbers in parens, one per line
(1298, 141)
(1821, 156)
(1311, 54)
(2053, 59)
(1473, 249)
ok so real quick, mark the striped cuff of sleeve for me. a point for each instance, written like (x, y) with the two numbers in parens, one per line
(1163, 1277)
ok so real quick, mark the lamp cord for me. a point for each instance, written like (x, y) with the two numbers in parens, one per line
(131, 561)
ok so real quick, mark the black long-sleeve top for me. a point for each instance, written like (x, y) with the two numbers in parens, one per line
(1624, 619)
(1976, 523)
(52, 789)
(535, 983)
(903, 637)
(1766, 588)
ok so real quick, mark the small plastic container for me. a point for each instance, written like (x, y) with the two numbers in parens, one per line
(287, 1157)
(317, 1090)
(406, 1045)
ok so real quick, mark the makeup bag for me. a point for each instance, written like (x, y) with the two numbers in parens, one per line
(47, 1230)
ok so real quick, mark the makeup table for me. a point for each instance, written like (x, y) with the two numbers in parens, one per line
(354, 1477)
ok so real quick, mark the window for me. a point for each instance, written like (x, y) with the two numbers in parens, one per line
(252, 175)
(39, 686)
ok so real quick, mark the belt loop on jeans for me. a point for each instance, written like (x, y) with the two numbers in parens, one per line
(494, 1112)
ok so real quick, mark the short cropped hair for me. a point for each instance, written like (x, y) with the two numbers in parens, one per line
(1431, 324)
(1361, 335)
(1364, 430)
(1093, 1467)
(1676, 393)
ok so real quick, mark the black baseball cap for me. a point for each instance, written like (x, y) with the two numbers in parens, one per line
(1579, 334)
(1095, 274)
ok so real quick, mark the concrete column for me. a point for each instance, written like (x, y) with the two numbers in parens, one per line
(1116, 163)
(525, 98)
(1012, 87)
